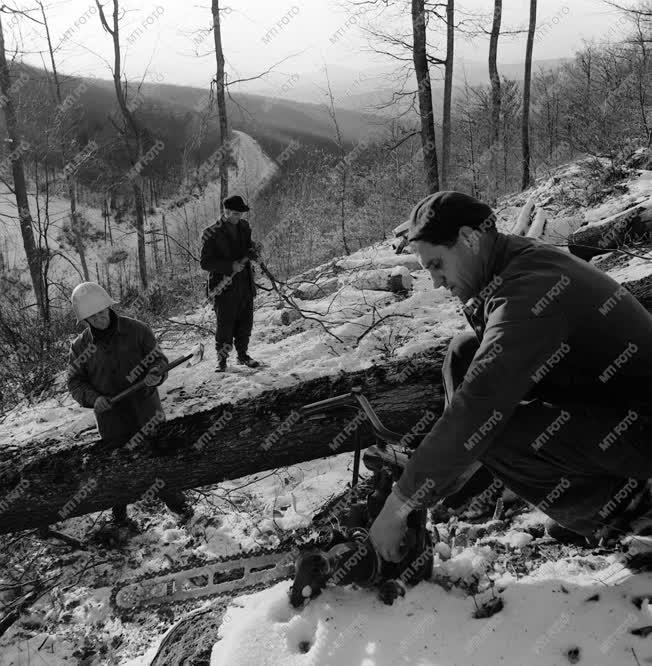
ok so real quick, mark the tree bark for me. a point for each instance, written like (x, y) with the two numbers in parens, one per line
(16, 147)
(525, 129)
(428, 139)
(448, 93)
(39, 479)
(221, 103)
(495, 94)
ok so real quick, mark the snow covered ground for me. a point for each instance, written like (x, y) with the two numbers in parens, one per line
(291, 353)
(551, 613)
(545, 619)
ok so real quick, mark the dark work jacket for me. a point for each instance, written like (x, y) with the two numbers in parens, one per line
(218, 252)
(107, 367)
(545, 319)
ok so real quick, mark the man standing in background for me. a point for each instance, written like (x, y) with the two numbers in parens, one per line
(226, 253)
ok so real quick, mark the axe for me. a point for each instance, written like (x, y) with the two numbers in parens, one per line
(193, 358)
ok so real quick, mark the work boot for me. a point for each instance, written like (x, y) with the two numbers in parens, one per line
(635, 518)
(245, 359)
(568, 537)
(122, 520)
(221, 364)
(120, 513)
(178, 504)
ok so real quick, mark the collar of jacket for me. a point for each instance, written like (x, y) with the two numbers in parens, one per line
(493, 264)
(117, 331)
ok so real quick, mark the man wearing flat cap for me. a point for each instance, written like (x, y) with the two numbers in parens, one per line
(549, 393)
(226, 253)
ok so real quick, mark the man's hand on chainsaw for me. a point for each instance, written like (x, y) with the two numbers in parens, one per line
(388, 530)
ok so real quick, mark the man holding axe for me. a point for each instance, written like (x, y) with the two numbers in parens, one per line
(226, 253)
(114, 366)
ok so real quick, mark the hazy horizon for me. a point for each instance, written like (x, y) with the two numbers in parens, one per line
(162, 39)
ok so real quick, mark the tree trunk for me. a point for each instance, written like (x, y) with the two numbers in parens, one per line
(131, 127)
(342, 165)
(16, 147)
(448, 93)
(221, 103)
(140, 229)
(75, 216)
(495, 94)
(39, 479)
(428, 139)
(593, 239)
(525, 129)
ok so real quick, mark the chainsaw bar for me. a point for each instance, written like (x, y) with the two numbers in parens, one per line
(226, 577)
(222, 577)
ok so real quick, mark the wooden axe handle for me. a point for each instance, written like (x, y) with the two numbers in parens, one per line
(138, 385)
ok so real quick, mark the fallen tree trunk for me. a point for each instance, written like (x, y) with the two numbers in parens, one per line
(45, 482)
(602, 237)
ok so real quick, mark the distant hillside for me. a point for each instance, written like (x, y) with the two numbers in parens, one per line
(271, 121)
(368, 90)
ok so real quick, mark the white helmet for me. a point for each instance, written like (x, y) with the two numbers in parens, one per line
(89, 298)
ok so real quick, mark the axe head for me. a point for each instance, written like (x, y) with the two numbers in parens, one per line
(197, 354)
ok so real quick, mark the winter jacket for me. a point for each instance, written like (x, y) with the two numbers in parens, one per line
(543, 318)
(107, 367)
(219, 250)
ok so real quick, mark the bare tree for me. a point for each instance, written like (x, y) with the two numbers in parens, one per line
(525, 129)
(448, 93)
(131, 128)
(221, 102)
(76, 221)
(17, 147)
(420, 57)
(342, 166)
(495, 90)
(641, 18)
(643, 11)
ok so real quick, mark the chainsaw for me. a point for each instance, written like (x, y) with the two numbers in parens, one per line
(335, 549)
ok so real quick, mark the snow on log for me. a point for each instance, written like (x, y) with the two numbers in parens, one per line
(524, 219)
(312, 290)
(598, 238)
(43, 482)
(537, 228)
(410, 262)
(383, 279)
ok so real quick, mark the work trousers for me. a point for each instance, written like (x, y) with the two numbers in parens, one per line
(234, 311)
(578, 461)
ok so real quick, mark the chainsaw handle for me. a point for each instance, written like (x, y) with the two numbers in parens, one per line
(354, 399)
(140, 384)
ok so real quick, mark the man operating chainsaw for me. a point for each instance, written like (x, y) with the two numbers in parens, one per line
(226, 253)
(110, 355)
(550, 392)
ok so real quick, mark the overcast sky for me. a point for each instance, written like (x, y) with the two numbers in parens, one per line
(309, 34)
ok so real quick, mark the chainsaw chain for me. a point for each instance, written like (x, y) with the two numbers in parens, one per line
(290, 543)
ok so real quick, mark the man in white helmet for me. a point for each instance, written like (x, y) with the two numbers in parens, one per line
(110, 355)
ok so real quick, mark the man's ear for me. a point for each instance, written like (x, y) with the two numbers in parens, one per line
(469, 237)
